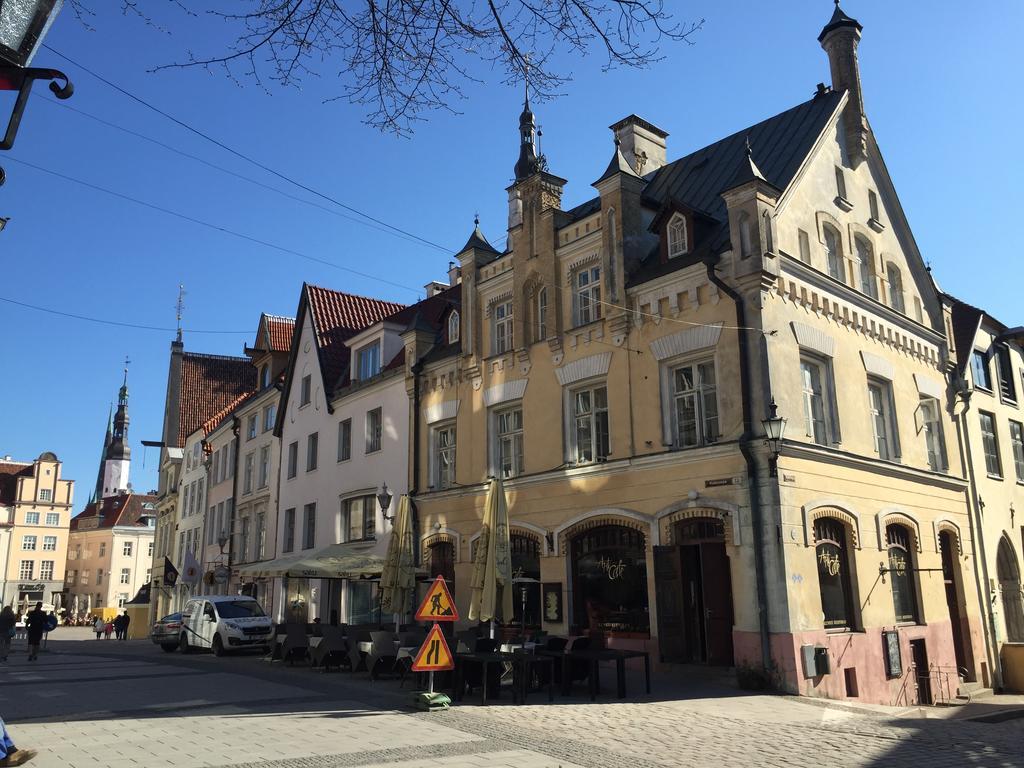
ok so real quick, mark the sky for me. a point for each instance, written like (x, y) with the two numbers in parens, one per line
(937, 89)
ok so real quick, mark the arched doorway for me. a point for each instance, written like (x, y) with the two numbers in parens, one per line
(952, 577)
(609, 581)
(694, 589)
(1008, 573)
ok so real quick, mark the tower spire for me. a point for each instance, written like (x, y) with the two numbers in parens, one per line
(179, 306)
(529, 162)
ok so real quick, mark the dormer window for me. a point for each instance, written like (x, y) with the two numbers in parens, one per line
(368, 359)
(678, 241)
(265, 376)
(453, 327)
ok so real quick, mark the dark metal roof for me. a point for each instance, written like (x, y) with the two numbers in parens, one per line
(617, 165)
(478, 241)
(839, 19)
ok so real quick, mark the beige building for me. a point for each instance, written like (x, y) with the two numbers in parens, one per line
(987, 403)
(35, 513)
(110, 553)
(619, 364)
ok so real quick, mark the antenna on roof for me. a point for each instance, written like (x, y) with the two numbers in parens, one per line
(179, 306)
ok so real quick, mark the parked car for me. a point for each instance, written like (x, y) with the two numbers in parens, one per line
(165, 632)
(224, 622)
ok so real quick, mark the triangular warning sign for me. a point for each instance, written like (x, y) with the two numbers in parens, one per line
(438, 604)
(434, 655)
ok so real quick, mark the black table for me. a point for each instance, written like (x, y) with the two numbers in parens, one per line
(484, 659)
(522, 675)
(594, 656)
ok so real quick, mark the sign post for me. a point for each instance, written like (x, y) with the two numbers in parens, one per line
(435, 655)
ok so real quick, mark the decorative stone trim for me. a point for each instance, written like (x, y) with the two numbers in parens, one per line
(440, 536)
(686, 510)
(584, 368)
(876, 365)
(683, 342)
(930, 387)
(582, 261)
(941, 524)
(517, 528)
(503, 296)
(441, 411)
(598, 517)
(814, 339)
(901, 516)
(829, 508)
(505, 392)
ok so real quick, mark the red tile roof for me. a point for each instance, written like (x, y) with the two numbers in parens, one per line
(430, 313)
(209, 383)
(339, 316)
(214, 421)
(125, 509)
(279, 331)
(10, 471)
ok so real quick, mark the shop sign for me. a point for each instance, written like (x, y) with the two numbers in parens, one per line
(612, 569)
(31, 587)
(718, 482)
(830, 562)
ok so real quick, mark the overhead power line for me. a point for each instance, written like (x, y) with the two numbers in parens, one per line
(243, 156)
(215, 227)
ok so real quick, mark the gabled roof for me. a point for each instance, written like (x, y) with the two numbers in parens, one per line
(616, 166)
(209, 383)
(279, 332)
(478, 241)
(121, 510)
(10, 471)
(215, 421)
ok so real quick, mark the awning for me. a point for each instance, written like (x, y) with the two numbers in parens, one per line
(337, 561)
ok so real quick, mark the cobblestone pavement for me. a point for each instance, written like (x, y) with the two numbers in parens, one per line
(105, 705)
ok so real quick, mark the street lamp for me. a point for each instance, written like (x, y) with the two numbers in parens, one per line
(774, 425)
(384, 499)
(23, 25)
(222, 541)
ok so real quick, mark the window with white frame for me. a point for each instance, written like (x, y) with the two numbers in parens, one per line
(834, 254)
(502, 324)
(28, 543)
(980, 370)
(250, 463)
(243, 541)
(99, 576)
(444, 455)
(149, 549)
(453, 327)
(312, 449)
(587, 296)
(590, 423)
(53, 518)
(293, 459)
(126, 576)
(895, 279)
(85, 577)
(345, 440)
(127, 548)
(678, 240)
(250, 431)
(269, 417)
(46, 570)
(261, 534)
(264, 473)
(306, 390)
(359, 516)
(542, 314)
(990, 444)
(883, 423)
(694, 393)
(508, 430)
(816, 385)
(368, 361)
(31, 518)
(122, 598)
(288, 543)
(1016, 443)
(866, 256)
(931, 427)
(309, 526)
(265, 376)
(49, 543)
(374, 429)
(27, 570)
(215, 470)
(45, 494)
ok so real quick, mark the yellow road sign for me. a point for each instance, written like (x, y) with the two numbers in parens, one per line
(434, 655)
(438, 604)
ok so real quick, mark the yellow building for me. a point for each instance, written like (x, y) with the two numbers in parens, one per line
(35, 512)
(618, 364)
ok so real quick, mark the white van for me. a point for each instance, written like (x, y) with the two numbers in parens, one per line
(223, 623)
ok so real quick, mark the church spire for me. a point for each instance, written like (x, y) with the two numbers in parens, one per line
(116, 453)
(529, 161)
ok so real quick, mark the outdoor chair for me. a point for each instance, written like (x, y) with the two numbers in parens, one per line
(382, 653)
(296, 644)
(466, 640)
(332, 650)
(578, 669)
(357, 658)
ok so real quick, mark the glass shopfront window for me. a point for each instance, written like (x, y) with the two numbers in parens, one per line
(525, 566)
(609, 581)
(901, 573)
(363, 602)
(834, 582)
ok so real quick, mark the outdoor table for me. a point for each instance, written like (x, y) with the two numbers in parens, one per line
(619, 655)
(523, 674)
(484, 659)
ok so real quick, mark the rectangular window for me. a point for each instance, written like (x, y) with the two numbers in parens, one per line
(805, 246)
(873, 204)
(216, 467)
(542, 314)
(444, 456)
(990, 444)
(814, 379)
(99, 576)
(1017, 443)
(895, 279)
(27, 570)
(359, 517)
(53, 518)
(264, 474)
(312, 446)
(840, 183)
(368, 361)
(918, 310)
(293, 459)
(122, 598)
(374, 426)
(309, 526)
(269, 417)
(45, 494)
(149, 549)
(1004, 369)
(85, 578)
(345, 440)
(590, 423)
(250, 430)
(49, 543)
(289, 530)
(261, 534)
(126, 549)
(28, 543)
(243, 541)
(230, 471)
(31, 518)
(126, 576)
(306, 391)
(980, 370)
(931, 426)
(46, 570)
(363, 603)
(509, 434)
(882, 422)
(502, 327)
(694, 404)
(250, 461)
(588, 295)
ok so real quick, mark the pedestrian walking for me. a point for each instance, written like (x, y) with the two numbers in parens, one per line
(98, 626)
(8, 621)
(125, 621)
(10, 754)
(117, 627)
(108, 629)
(36, 623)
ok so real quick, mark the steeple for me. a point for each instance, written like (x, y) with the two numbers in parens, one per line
(840, 38)
(116, 453)
(98, 493)
(529, 162)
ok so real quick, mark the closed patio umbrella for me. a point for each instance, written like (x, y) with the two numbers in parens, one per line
(491, 584)
(74, 606)
(398, 578)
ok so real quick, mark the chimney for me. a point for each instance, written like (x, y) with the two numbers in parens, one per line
(839, 39)
(454, 273)
(434, 287)
(641, 143)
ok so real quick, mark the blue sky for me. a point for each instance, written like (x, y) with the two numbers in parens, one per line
(938, 90)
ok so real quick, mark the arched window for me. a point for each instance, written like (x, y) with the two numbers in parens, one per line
(892, 274)
(453, 327)
(1008, 573)
(902, 575)
(526, 578)
(265, 376)
(866, 255)
(834, 577)
(834, 254)
(442, 561)
(678, 241)
(609, 580)
(746, 236)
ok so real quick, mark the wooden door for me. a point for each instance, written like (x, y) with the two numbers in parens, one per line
(668, 589)
(717, 598)
(692, 604)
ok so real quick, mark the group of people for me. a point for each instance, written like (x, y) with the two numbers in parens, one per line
(118, 627)
(37, 622)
